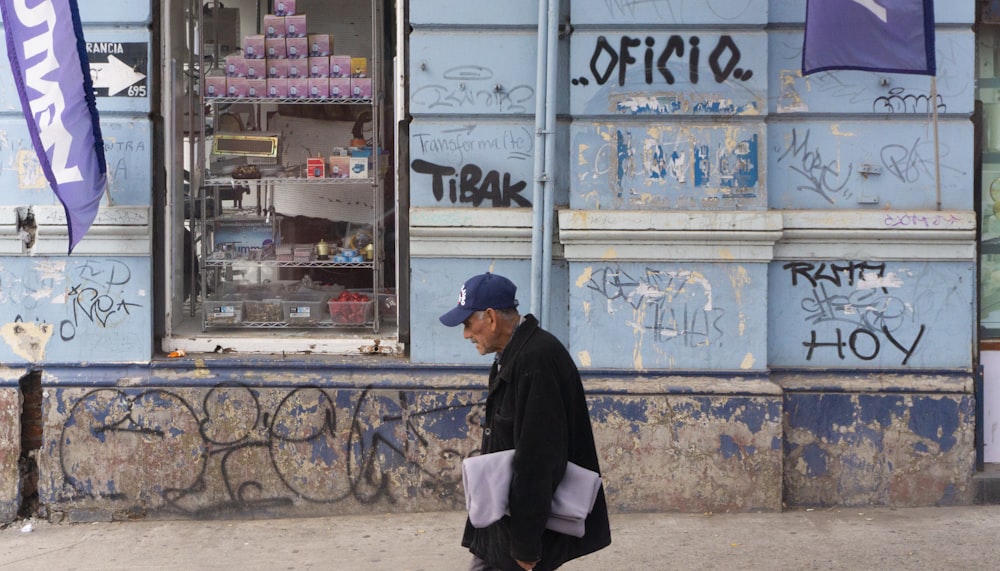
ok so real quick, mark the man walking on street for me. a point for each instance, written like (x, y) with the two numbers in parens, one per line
(537, 407)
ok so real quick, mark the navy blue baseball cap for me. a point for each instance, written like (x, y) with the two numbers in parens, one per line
(478, 293)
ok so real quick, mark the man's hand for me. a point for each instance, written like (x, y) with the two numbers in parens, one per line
(527, 566)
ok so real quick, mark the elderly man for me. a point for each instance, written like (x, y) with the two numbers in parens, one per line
(537, 407)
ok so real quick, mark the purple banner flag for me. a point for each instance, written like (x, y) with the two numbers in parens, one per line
(48, 58)
(893, 36)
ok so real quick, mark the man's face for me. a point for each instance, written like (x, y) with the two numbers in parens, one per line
(480, 328)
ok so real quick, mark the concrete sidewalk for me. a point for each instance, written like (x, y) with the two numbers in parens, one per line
(841, 538)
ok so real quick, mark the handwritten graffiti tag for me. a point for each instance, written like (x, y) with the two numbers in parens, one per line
(670, 304)
(856, 295)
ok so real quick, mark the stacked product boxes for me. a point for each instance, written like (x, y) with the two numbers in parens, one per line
(288, 62)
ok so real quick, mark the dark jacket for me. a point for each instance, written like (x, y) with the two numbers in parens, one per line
(536, 406)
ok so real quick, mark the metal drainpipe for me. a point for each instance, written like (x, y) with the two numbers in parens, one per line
(548, 210)
(538, 192)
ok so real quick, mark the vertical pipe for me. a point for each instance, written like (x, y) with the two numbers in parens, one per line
(537, 200)
(548, 209)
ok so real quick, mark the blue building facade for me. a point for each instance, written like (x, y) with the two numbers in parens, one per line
(769, 281)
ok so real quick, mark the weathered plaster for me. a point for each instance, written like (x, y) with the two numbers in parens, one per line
(10, 452)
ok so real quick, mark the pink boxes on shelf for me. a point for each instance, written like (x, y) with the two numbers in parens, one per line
(275, 48)
(320, 45)
(215, 86)
(319, 67)
(297, 48)
(256, 87)
(340, 66)
(253, 47)
(319, 88)
(274, 26)
(277, 68)
(284, 7)
(361, 88)
(277, 88)
(295, 26)
(256, 68)
(340, 87)
(236, 66)
(298, 88)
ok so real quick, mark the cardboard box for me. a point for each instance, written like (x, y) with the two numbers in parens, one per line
(276, 48)
(284, 7)
(319, 67)
(256, 68)
(277, 68)
(253, 47)
(319, 88)
(274, 26)
(215, 86)
(236, 87)
(277, 88)
(256, 87)
(236, 66)
(340, 166)
(359, 67)
(320, 45)
(298, 88)
(359, 167)
(361, 88)
(340, 87)
(295, 26)
(297, 48)
(297, 68)
(340, 66)
(315, 168)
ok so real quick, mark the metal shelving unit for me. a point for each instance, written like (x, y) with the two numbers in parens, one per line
(206, 187)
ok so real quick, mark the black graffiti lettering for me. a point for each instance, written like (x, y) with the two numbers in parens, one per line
(675, 45)
(626, 56)
(854, 271)
(812, 344)
(908, 352)
(726, 44)
(389, 439)
(473, 186)
(437, 172)
(693, 60)
(621, 59)
(603, 47)
(854, 344)
(648, 59)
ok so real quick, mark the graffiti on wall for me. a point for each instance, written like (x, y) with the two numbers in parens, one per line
(672, 305)
(472, 165)
(821, 171)
(692, 316)
(87, 295)
(649, 73)
(238, 448)
(854, 311)
(470, 87)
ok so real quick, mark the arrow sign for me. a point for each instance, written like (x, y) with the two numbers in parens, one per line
(119, 69)
(115, 76)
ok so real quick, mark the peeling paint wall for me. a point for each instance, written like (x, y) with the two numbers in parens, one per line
(10, 453)
(859, 449)
(274, 446)
(75, 309)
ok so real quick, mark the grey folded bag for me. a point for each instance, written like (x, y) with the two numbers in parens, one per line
(486, 479)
